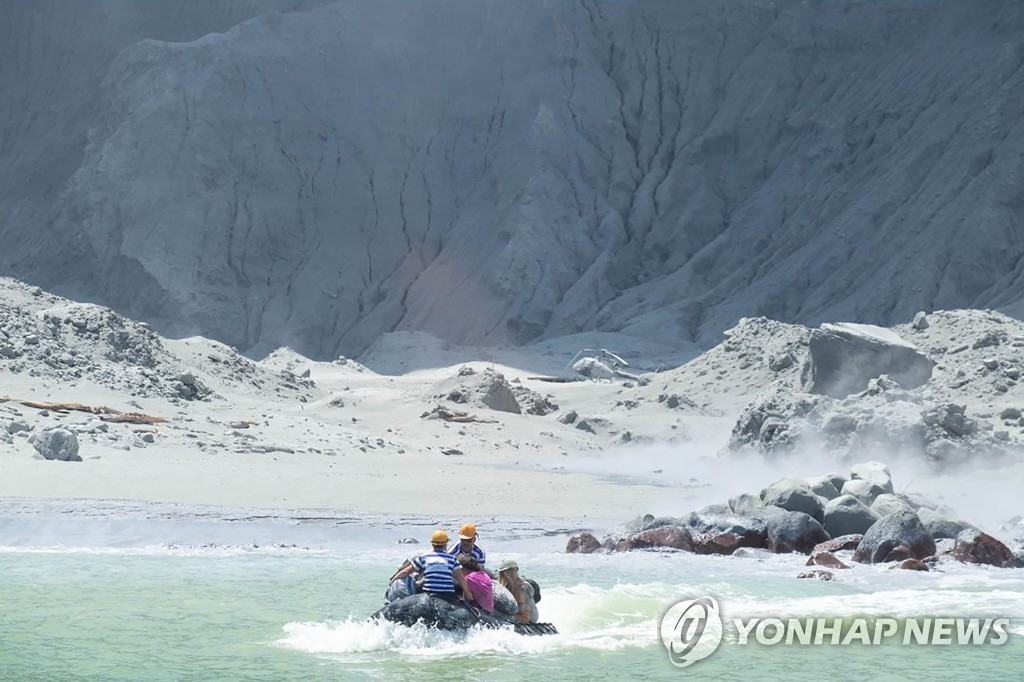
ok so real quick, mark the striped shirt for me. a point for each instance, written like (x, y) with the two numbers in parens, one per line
(477, 553)
(437, 568)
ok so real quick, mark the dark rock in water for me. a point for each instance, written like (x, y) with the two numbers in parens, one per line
(583, 543)
(408, 541)
(751, 531)
(716, 543)
(847, 515)
(752, 553)
(793, 494)
(838, 544)
(843, 358)
(899, 528)
(825, 559)
(791, 531)
(665, 537)
(974, 547)
(897, 553)
(819, 574)
(912, 565)
(1018, 557)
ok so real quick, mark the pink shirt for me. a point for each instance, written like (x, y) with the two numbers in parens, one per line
(480, 587)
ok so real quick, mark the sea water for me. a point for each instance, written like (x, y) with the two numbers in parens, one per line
(95, 597)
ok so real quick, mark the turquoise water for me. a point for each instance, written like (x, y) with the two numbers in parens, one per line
(235, 612)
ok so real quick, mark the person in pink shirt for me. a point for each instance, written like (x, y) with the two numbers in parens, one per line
(480, 589)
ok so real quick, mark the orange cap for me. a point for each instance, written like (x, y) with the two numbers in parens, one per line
(439, 537)
(467, 532)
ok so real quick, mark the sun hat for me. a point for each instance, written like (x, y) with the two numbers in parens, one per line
(439, 537)
(467, 532)
(508, 565)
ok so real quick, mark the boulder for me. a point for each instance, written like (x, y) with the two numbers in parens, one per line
(17, 426)
(717, 543)
(745, 503)
(873, 472)
(974, 547)
(498, 395)
(865, 491)
(825, 559)
(665, 537)
(662, 521)
(823, 487)
(887, 503)
(920, 322)
(751, 531)
(838, 544)
(882, 540)
(583, 543)
(793, 531)
(56, 443)
(847, 515)
(912, 565)
(939, 526)
(793, 494)
(843, 358)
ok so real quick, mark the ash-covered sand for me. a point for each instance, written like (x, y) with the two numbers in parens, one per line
(448, 430)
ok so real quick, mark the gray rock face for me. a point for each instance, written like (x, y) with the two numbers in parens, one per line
(844, 358)
(847, 515)
(16, 426)
(56, 443)
(895, 537)
(939, 526)
(793, 494)
(544, 196)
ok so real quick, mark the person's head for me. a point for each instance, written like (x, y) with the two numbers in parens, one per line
(467, 536)
(439, 540)
(469, 564)
(508, 571)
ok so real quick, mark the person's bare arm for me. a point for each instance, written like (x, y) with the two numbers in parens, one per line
(461, 579)
(402, 572)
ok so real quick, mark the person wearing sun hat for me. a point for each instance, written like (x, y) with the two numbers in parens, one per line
(522, 590)
(467, 545)
(441, 572)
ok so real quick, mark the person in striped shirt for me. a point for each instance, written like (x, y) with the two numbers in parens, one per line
(467, 545)
(440, 570)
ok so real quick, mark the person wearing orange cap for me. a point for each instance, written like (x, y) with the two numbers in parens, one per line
(441, 572)
(467, 545)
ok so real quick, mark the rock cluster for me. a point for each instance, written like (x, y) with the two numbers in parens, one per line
(909, 389)
(858, 513)
(61, 341)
